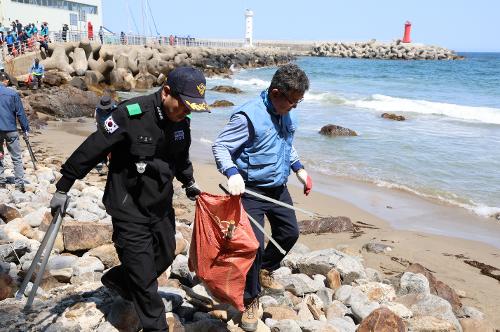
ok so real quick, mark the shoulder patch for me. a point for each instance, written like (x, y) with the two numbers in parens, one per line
(110, 125)
(134, 109)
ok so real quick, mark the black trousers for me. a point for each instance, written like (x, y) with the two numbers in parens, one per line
(145, 250)
(284, 230)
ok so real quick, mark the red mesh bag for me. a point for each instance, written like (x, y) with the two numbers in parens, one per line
(223, 246)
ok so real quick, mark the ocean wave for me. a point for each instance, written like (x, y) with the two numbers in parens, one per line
(325, 97)
(477, 208)
(389, 104)
(252, 81)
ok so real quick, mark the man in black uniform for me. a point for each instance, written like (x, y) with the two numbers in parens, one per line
(149, 139)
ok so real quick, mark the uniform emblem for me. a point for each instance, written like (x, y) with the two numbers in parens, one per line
(201, 89)
(110, 125)
(178, 135)
(141, 167)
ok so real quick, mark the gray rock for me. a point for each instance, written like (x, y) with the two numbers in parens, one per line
(322, 261)
(361, 310)
(414, 283)
(326, 296)
(377, 248)
(286, 325)
(342, 325)
(298, 284)
(87, 264)
(180, 269)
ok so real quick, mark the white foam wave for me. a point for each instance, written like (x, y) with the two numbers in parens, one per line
(324, 97)
(253, 81)
(206, 141)
(389, 104)
(479, 209)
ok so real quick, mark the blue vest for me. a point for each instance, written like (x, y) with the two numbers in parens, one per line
(265, 161)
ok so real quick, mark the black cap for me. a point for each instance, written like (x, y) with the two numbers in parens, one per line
(106, 103)
(189, 84)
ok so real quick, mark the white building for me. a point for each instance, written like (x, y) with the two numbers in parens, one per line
(76, 14)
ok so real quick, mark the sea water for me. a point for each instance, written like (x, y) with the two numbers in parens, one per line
(447, 150)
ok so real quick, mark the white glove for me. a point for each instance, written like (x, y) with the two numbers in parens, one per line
(236, 185)
(305, 179)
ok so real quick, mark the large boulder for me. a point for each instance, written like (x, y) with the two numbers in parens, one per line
(58, 60)
(80, 63)
(334, 130)
(8, 213)
(65, 102)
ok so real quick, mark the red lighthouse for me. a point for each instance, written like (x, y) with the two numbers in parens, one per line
(406, 38)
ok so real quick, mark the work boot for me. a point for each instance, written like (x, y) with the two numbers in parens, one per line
(268, 282)
(20, 187)
(111, 279)
(250, 317)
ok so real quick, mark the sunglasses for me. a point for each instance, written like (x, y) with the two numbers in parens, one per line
(291, 102)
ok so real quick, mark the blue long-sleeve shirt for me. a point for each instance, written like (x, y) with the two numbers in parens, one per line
(230, 142)
(11, 108)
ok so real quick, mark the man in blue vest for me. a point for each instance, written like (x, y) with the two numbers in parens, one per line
(255, 150)
(11, 108)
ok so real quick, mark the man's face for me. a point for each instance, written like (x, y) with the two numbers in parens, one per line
(285, 101)
(173, 107)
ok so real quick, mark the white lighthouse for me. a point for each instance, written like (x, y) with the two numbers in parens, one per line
(248, 28)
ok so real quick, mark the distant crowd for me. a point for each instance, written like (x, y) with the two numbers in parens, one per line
(19, 38)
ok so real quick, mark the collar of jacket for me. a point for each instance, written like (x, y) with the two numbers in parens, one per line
(160, 115)
(269, 105)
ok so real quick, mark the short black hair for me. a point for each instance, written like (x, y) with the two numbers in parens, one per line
(290, 77)
(4, 77)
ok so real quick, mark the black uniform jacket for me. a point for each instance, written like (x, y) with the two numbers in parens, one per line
(137, 132)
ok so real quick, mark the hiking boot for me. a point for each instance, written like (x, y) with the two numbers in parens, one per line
(110, 280)
(250, 317)
(268, 282)
(21, 188)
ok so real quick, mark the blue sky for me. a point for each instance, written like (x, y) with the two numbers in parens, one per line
(462, 25)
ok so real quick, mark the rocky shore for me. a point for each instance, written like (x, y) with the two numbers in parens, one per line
(388, 51)
(127, 67)
(326, 290)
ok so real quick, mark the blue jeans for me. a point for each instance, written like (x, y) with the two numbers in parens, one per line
(11, 139)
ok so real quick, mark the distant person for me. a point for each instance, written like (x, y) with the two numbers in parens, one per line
(11, 108)
(37, 73)
(101, 34)
(122, 38)
(171, 40)
(65, 32)
(10, 40)
(19, 27)
(43, 44)
(44, 31)
(90, 31)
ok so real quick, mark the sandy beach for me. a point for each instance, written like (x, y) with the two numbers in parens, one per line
(443, 255)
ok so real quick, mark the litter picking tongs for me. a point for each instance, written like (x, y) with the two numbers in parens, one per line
(272, 201)
(48, 244)
(30, 150)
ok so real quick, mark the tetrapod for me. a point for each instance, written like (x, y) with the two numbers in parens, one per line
(44, 250)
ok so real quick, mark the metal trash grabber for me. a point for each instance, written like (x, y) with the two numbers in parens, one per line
(48, 244)
(30, 150)
(257, 224)
(272, 200)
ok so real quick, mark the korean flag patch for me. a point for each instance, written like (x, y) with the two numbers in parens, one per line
(110, 125)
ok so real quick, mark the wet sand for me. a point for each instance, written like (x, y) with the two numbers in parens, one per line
(411, 225)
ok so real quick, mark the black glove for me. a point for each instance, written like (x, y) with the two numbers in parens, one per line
(59, 201)
(192, 190)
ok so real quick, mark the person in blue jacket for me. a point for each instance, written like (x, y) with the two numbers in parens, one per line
(10, 109)
(37, 72)
(255, 150)
(10, 40)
